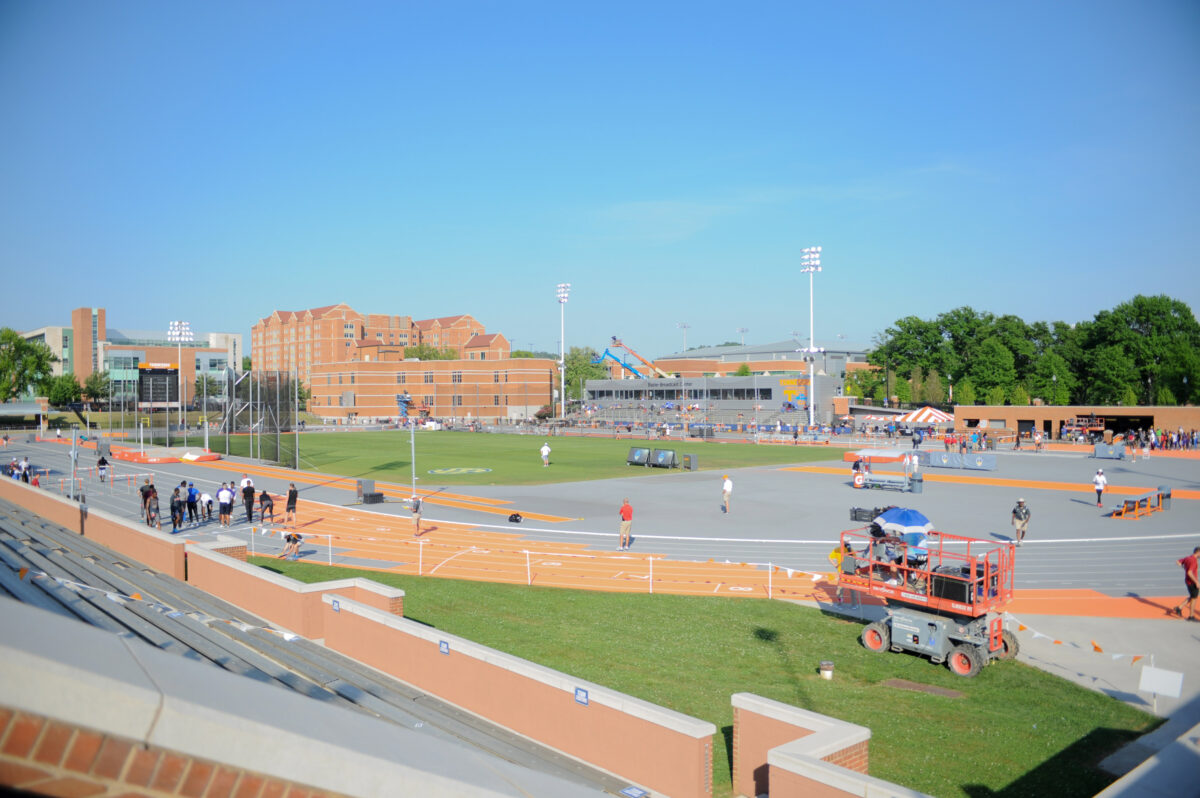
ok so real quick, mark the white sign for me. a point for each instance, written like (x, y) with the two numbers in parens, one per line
(1161, 682)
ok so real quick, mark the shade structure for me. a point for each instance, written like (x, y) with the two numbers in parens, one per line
(926, 415)
(901, 521)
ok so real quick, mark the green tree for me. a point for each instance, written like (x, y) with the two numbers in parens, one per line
(917, 381)
(935, 391)
(23, 364)
(427, 352)
(901, 389)
(1017, 395)
(992, 366)
(1052, 379)
(863, 382)
(1128, 396)
(994, 395)
(96, 386)
(910, 343)
(245, 362)
(62, 390)
(1164, 396)
(743, 370)
(1110, 377)
(206, 385)
(580, 367)
(1149, 331)
(964, 392)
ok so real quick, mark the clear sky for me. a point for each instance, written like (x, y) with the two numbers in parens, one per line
(216, 161)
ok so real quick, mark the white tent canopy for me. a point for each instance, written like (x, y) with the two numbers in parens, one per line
(926, 415)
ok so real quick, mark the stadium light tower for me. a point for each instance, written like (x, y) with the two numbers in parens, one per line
(742, 332)
(810, 259)
(564, 291)
(180, 331)
(683, 325)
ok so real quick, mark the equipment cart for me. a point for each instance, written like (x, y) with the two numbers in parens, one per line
(945, 595)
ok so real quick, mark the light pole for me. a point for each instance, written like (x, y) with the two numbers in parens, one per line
(683, 325)
(742, 332)
(810, 259)
(564, 291)
(180, 331)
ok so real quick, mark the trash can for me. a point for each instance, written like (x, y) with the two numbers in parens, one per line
(916, 483)
(1165, 491)
(690, 462)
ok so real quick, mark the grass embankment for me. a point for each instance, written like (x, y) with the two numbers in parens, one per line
(513, 459)
(1015, 731)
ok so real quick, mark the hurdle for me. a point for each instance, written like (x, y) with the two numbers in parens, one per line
(254, 530)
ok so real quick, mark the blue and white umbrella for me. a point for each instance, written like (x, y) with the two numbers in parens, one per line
(901, 521)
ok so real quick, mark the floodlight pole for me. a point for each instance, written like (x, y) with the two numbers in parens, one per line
(563, 291)
(180, 331)
(810, 257)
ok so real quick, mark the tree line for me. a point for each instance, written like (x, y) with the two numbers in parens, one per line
(1145, 351)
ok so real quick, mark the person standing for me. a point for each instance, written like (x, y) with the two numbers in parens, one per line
(146, 489)
(176, 511)
(293, 496)
(248, 499)
(1020, 519)
(626, 515)
(102, 468)
(1191, 582)
(1100, 482)
(224, 504)
(152, 518)
(193, 504)
(843, 561)
(545, 451)
(726, 490)
(414, 504)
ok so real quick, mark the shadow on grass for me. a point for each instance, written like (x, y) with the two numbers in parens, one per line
(1071, 773)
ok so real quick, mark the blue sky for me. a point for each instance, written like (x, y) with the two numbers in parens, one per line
(216, 161)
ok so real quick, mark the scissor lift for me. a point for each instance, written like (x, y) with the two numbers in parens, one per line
(944, 596)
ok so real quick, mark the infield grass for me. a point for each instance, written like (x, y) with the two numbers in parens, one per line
(511, 459)
(1015, 731)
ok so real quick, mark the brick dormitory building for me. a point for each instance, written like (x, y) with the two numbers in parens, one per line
(355, 365)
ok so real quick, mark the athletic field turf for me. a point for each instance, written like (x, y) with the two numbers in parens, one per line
(1012, 730)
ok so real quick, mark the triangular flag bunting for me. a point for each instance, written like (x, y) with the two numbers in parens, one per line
(22, 573)
(1135, 659)
(1058, 642)
(136, 597)
(1097, 648)
(1021, 627)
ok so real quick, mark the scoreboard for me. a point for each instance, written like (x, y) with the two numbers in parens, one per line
(158, 385)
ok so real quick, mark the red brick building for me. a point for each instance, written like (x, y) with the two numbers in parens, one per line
(462, 389)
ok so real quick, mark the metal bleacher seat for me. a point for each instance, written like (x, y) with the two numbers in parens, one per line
(173, 616)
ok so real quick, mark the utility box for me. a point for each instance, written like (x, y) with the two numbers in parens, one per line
(1165, 491)
(372, 498)
(363, 487)
(690, 462)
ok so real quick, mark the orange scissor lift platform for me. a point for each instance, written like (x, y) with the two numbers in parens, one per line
(944, 593)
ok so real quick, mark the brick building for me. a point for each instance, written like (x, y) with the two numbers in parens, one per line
(88, 345)
(297, 341)
(509, 388)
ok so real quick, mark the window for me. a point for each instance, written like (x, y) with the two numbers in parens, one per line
(496, 400)
(428, 377)
(456, 376)
(483, 355)
(495, 376)
(351, 379)
(457, 400)
(400, 378)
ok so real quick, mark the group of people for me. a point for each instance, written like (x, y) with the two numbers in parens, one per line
(21, 471)
(189, 505)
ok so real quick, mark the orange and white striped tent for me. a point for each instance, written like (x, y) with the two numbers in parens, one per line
(926, 415)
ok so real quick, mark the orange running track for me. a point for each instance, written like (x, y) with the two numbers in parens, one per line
(465, 551)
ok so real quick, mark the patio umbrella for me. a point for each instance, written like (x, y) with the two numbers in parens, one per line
(902, 521)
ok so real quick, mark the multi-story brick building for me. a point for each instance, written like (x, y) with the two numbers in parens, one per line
(297, 341)
(88, 345)
(510, 388)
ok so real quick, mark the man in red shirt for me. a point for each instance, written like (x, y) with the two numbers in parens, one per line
(1191, 582)
(626, 513)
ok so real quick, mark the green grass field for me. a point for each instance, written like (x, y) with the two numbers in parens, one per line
(513, 459)
(1015, 731)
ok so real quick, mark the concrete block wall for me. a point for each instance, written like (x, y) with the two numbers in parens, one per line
(657, 748)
